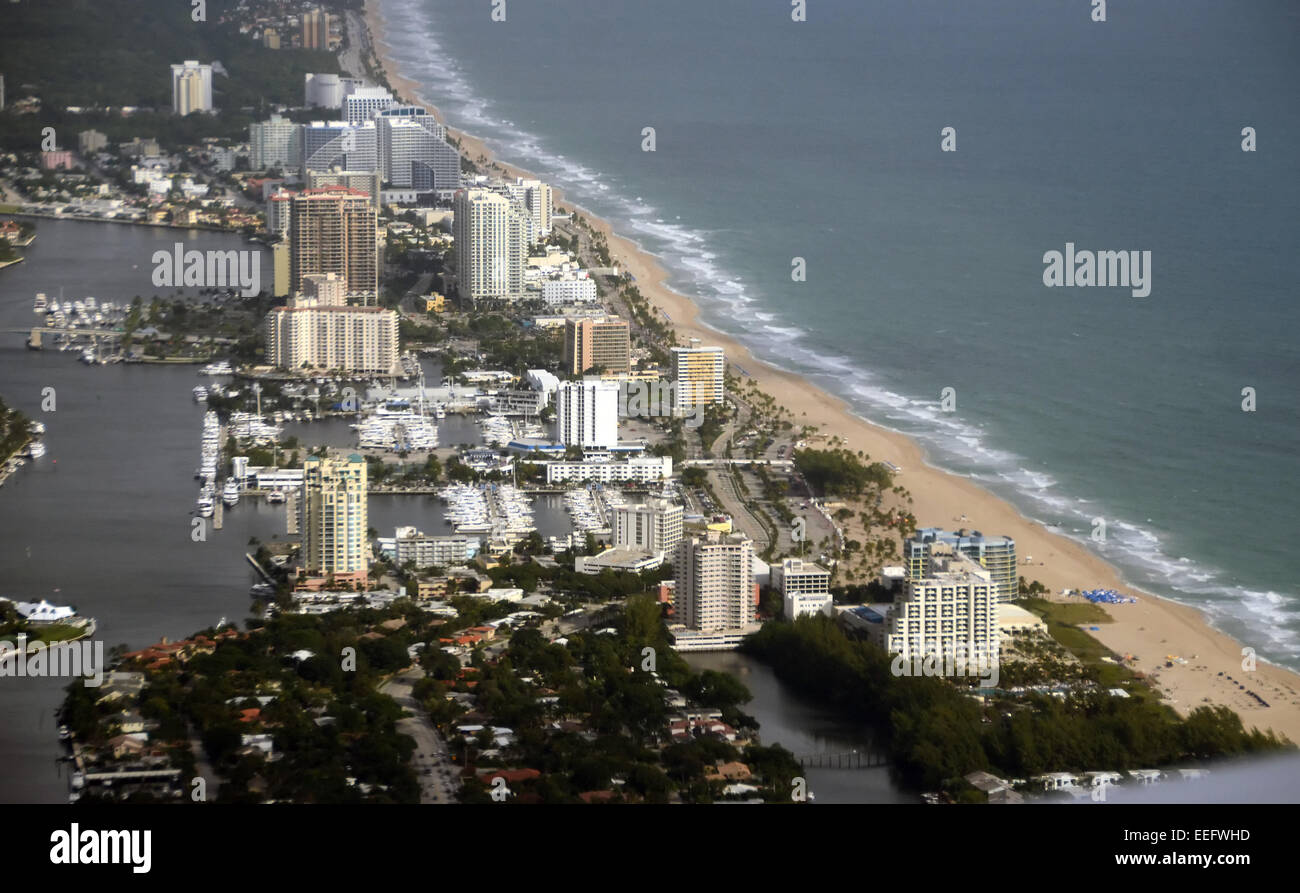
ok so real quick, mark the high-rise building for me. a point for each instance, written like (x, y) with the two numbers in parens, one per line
(337, 144)
(653, 526)
(700, 373)
(274, 143)
(280, 263)
(362, 181)
(586, 413)
(948, 608)
(535, 197)
(334, 230)
(309, 335)
(364, 103)
(491, 245)
(714, 579)
(271, 39)
(333, 519)
(413, 154)
(278, 208)
(606, 343)
(316, 30)
(996, 554)
(191, 87)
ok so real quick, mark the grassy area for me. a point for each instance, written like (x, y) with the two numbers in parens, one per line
(1073, 613)
(1063, 622)
(55, 632)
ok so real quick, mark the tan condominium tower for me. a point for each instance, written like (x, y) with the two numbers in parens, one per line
(191, 87)
(589, 343)
(700, 376)
(308, 335)
(333, 230)
(714, 575)
(316, 30)
(334, 520)
(491, 245)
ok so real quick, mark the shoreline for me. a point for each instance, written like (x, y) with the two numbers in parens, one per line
(1153, 629)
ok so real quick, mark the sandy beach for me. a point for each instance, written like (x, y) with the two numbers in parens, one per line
(1151, 629)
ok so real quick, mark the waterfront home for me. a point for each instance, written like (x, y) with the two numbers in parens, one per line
(44, 612)
(1057, 781)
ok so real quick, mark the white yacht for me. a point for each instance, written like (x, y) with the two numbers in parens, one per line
(230, 493)
(276, 497)
(200, 394)
(36, 428)
(36, 449)
(41, 303)
(206, 502)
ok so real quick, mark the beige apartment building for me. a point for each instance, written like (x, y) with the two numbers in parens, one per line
(714, 575)
(491, 245)
(307, 334)
(606, 343)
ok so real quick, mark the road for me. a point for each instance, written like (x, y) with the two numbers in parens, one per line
(432, 760)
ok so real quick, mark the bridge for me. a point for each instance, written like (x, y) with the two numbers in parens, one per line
(848, 759)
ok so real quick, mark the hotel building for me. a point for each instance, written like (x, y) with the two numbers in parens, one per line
(949, 608)
(996, 554)
(606, 343)
(334, 520)
(586, 413)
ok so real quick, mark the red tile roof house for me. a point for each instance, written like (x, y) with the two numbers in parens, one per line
(510, 775)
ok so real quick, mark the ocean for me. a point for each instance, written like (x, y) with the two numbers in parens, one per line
(821, 140)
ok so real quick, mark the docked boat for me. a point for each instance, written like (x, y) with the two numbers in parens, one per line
(41, 304)
(200, 394)
(230, 492)
(36, 428)
(206, 503)
(88, 356)
(276, 497)
(36, 449)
